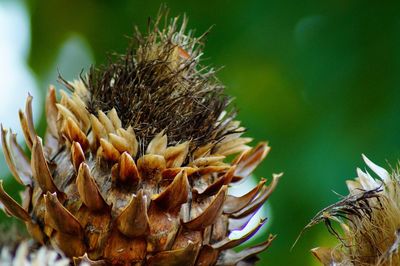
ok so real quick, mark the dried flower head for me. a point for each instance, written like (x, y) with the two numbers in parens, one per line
(369, 218)
(133, 169)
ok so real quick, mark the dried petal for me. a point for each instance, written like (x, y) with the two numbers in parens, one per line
(227, 243)
(178, 257)
(98, 128)
(20, 176)
(259, 201)
(113, 116)
(151, 166)
(106, 122)
(232, 258)
(215, 187)
(120, 143)
(25, 129)
(130, 137)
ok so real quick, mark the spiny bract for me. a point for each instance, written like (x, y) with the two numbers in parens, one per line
(133, 168)
(369, 218)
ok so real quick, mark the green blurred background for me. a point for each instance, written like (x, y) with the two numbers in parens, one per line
(317, 79)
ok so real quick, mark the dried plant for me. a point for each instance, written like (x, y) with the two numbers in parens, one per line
(369, 218)
(133, 169)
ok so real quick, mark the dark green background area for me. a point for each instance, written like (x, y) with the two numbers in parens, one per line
(318, 79)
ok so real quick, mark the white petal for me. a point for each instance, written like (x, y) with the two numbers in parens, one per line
(381, 172)
(366, 181)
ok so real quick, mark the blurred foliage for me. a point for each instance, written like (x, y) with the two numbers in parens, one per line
(318, 79)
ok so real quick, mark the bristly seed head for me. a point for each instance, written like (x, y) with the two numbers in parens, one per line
(159, 84)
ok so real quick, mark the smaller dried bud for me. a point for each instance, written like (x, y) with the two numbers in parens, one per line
(369, 218)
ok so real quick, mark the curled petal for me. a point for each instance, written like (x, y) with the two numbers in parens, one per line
(259, 201)
(235, 204)
(175, 194)
(231, 257)
(248, 162)
(11, 206)
(21, 176)
(227, 242)
(210, 214)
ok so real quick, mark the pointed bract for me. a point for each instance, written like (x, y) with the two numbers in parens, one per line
(128, 171)
(77, 155)
(175, 194)
(210, 214)
(40, 169)
(133, 220)
(59, 218)
(12, 207)
(88, 190)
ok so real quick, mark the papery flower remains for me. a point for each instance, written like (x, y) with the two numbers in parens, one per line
(369, 219)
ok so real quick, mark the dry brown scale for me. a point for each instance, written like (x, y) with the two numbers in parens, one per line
(106, 188)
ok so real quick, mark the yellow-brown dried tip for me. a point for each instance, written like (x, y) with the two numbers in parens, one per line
(77, 155)
(128, 171)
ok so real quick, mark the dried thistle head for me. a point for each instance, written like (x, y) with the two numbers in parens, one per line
(369, 218)
(133, 168)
